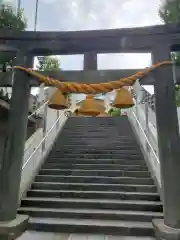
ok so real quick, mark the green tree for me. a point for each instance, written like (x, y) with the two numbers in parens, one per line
(169, 12)
(9, 19)
(49, 63)
(115, 112)
(177, 95)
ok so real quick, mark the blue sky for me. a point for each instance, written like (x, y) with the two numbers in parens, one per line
(54, 15)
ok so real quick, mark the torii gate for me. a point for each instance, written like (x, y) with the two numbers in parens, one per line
(159, 40)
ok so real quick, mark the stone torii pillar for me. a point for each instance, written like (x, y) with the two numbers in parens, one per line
(11, 224)
(169, 146)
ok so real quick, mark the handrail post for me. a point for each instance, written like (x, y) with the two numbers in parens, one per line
(11, 168)
(169, 146)
(146, 117)
(45, 126)
(136, 104)
(146, 123)
(57, 126)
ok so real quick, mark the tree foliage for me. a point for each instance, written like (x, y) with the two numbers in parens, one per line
(48, 63)
(169, 12)
(9, 19)
(177, 95)
(115, 112)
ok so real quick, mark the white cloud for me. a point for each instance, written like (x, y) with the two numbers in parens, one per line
(96, 14)
(126, 6)
(74, 4)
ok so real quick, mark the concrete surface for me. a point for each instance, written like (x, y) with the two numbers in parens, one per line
(55, 236)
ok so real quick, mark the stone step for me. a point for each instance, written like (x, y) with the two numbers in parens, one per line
(100, 123)
(94, 187)
(97, 137)
(125, 163)
(96, 125)
(100, 143)
(124, 131)
(100, 128)
(97, 129)
(93, 194)
(114, 142)
(124, 228)
(98, 156)
(117, 137)
(92, 129)
(87, 166)
(97, 133)
(93, 147)
(98, 159)
(80, 150)
(121, 160)
(90, 214)
(97, 122)
(94, 119)
(93, 179)
(120, 138)
(94, 172)
(92, 204)
(122, 167)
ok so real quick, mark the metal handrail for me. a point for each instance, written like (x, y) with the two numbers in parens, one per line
(44, 138)
(154, 153)
(37, 110)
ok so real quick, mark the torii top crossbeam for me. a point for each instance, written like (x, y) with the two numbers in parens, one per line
(100, 41)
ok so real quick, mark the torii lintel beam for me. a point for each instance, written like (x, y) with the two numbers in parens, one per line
(100, 41)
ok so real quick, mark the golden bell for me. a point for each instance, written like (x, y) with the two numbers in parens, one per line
(123, 99)
(103, 114)
(100, 106)
(58, 101)
(89, 106)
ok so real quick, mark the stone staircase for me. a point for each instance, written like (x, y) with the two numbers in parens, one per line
(94, 181)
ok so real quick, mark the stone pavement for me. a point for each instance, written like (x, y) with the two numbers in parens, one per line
(57, 236)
